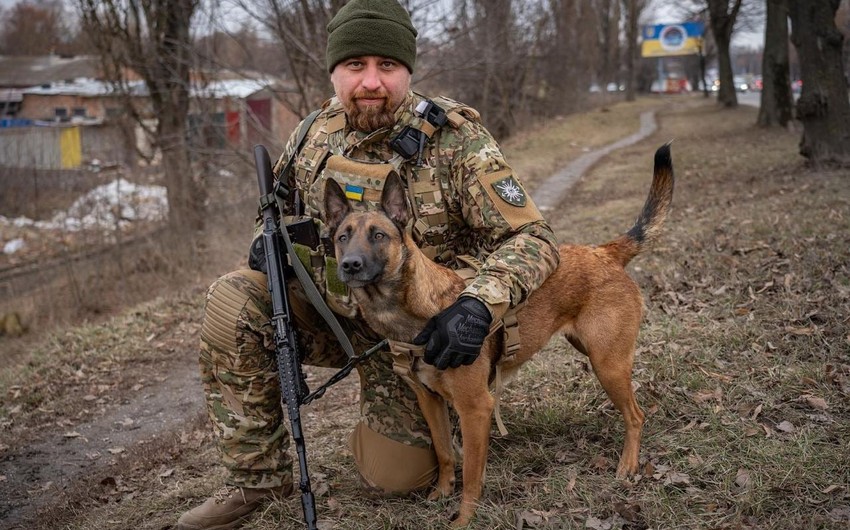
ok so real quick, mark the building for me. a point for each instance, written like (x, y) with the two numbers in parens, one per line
(17, 73)
(64, 122)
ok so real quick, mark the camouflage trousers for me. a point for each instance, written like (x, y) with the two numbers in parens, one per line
(391, 444)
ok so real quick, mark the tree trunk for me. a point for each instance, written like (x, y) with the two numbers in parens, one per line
(722, 20)
(153, 39)
(823, 107)
(777, 101)
(185, 197)
(633, 9)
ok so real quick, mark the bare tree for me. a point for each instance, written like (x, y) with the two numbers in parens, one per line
(607, 40)
(569, 67)
(152, 39)
(33, 28)
(722, 15)
(633, 10)
(299, 29)
(823, 107)
(777, 101)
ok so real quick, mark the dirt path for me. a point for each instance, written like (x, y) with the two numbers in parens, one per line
(46, 470)
(548, 195)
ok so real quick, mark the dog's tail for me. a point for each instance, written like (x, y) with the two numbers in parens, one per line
(647, 227)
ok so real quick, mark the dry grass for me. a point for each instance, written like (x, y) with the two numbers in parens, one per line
(743, 363)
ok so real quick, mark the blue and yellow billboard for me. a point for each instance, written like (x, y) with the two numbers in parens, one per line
(662, 40)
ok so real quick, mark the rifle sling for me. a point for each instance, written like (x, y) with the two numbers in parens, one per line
(315, 296)
(301, 273)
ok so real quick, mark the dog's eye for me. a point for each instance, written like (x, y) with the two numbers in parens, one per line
(379, 235)
(342, 238)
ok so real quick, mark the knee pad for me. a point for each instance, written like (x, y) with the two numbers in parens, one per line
(390, 467)
(227, 299)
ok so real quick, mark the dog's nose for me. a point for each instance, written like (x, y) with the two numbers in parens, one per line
(352, 264)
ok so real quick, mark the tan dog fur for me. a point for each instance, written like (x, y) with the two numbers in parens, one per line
(589, 299)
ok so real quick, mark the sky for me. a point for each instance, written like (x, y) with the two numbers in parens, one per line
(661, 11)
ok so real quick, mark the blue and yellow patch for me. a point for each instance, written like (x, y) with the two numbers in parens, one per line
(354, 193)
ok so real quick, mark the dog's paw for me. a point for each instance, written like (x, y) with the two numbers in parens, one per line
(439, 492)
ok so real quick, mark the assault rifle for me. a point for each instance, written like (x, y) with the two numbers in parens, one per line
(293, 389)
(288, 361)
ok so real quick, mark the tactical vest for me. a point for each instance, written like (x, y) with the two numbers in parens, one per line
(363, 182)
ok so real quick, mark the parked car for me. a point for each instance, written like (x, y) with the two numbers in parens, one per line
(740, 83)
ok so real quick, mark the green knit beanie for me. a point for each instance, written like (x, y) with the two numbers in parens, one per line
(372, 27)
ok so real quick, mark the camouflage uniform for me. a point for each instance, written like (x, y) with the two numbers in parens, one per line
(465, 201)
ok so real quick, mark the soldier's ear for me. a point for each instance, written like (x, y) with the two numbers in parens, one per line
(394, 200)
(336, 205)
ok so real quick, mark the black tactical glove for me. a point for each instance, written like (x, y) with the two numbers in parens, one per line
(257, 255)
(455, 335)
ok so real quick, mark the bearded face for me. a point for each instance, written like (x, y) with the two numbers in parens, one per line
(371, 110)
(371, 89)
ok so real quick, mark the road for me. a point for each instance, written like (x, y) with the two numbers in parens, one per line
(753, 99)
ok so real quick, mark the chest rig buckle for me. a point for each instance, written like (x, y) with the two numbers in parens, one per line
(411, 141)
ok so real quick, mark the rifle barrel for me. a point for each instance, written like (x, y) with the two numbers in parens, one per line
(288, 360)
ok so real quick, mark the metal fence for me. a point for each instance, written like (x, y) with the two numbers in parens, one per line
(62, 147)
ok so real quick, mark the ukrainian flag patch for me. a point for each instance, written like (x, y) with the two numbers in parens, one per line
(354, 193)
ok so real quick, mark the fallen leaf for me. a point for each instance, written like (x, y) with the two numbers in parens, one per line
(742, 479)
(675, 478)
(116, 450)
(815, 402)
(528, 518)
(72, 434)
(126, 422)
(708, 395)
(629, 512)
(786, 426)
(799, 331)
(167, 473)
(689, 426)
(597, 524)
(600, 462)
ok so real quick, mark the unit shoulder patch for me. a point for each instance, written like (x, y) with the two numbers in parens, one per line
(509, 190)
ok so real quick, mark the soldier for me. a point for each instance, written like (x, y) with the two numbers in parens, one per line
(465, 200)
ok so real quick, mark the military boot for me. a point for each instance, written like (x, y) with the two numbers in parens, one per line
(228, 508)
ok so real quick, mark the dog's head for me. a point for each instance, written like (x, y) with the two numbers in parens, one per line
(369, 246)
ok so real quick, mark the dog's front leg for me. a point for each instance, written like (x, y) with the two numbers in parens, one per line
(475, 410)
(436, 413)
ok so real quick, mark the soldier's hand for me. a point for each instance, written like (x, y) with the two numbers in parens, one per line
(257, 256)
(454, 336)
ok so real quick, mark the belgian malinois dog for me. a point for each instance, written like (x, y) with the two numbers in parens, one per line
(589, 299)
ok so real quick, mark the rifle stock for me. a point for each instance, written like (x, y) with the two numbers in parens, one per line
(288, 360)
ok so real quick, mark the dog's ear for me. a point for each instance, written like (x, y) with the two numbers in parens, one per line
(336, 205)
(394, 200)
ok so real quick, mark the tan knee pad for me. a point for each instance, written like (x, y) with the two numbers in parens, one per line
(391, 467)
